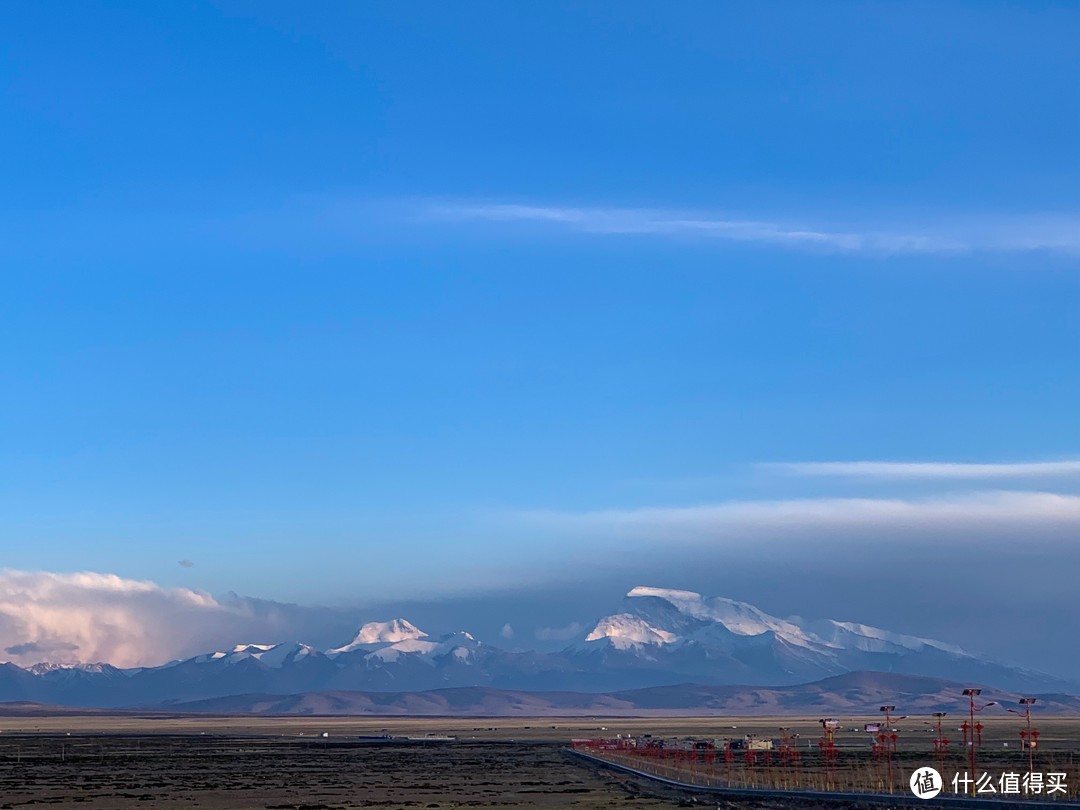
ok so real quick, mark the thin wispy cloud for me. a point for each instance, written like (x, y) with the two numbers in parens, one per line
(1057, 234)
(998, 510)
(927, 469)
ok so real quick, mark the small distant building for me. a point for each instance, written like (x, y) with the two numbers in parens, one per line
(751, 744)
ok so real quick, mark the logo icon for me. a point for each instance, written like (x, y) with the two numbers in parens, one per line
(926, 783)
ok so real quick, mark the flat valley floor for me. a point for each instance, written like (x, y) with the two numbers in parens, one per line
(216, 773)
(131, 761)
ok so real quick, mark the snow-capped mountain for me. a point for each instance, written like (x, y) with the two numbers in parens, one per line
(274, 656)
(719, 640)
(660, 637)
(381, 643)
(671, 617)
(70, 670)
(372, 634)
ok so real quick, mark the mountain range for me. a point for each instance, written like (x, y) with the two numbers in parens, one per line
(856, 693)
(660, 637)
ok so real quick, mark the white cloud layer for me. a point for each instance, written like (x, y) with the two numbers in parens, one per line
(96, 617)
(927, 470)
(90, 617)
(999, 510)
(1060, 234)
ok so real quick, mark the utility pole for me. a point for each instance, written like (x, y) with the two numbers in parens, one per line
(1031, 736)
(827, 744)
(971, 729)
(889, 742)
(941, 745)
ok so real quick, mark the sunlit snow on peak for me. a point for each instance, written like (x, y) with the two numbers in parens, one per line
(394, 631)
(624, 630)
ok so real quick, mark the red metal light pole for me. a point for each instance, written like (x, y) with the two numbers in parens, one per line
(1031, 736)
(888, 740)
(941, 745)
(969, 731)
(789, 754)
(827, 744)
(970, 740)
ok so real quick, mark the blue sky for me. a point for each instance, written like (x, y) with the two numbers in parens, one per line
(369, 301)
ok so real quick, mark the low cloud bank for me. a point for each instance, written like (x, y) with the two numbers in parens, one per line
(89, 617)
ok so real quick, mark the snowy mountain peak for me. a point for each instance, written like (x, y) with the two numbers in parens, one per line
(669, 594)
(874, 639)
(252, 648)
(394, 631)
(423, 648)
(274, 656)
(624, 631)
(739, 618)
(47, 667)
(683, 620)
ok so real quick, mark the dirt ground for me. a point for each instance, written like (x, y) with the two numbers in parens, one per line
(121, 762)
(216, 773)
